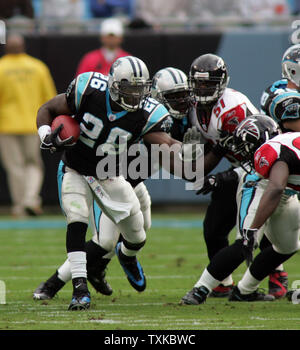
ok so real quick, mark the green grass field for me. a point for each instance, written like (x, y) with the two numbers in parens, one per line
(173, 260)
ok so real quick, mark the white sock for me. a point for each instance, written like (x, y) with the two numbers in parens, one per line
(228, 281)
(248, 284)
(207, 280)
(78, 264)
(128, 252)
(64, 271)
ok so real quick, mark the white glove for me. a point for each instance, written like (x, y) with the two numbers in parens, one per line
(191, 145)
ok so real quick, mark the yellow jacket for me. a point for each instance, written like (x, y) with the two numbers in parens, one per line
(25, 84)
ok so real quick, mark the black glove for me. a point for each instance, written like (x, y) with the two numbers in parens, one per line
(54, 143)
(217, 181)
(249, 244)
(210, 184)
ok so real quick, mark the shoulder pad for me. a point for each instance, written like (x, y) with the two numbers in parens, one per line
(264, 159)
(156, 113)
(279, 84)
(81, 84)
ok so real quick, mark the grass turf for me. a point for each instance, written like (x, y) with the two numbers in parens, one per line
(173, 260)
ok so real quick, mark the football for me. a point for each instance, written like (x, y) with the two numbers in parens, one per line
(70, 127)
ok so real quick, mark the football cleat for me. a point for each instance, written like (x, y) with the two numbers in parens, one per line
(236, 295)
(196, 296)
(47, 290)
(44, 292)
(81, 298)
(80, 302)
(221, 291)
(132, 269)
(98, 281)
(278, 284)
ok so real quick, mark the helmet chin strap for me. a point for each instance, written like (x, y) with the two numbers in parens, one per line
(129, 107)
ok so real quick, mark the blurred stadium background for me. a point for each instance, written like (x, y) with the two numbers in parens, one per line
(251, 35)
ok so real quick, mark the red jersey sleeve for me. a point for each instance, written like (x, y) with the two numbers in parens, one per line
(264, 158)
(233, 117)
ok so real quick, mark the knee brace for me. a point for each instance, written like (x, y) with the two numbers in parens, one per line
(132, 228)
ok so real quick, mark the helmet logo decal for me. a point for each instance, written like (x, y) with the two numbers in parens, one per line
(251, 129)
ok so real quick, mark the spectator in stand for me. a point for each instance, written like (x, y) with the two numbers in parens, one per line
(25, 84)
(109, 8)
(263, 9)
(100, 60)
(62, 9)
(155, 11)
(11, 8)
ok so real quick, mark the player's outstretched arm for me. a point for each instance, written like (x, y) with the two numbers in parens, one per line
(270, 199)
(169, 147)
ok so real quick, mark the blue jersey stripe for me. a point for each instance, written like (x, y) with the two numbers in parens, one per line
(81, 85)
(60, 176)
(279, 84)
(97, 214)
(247, 197)
(156, 116)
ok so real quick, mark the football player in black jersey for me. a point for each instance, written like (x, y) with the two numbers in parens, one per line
(118, 107)
(108, 109)
(169, 87)
(280, 99)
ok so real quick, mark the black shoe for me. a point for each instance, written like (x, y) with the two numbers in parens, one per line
(81, 298)
(255, 296)
(98, 281)
(47, 290)
(133, 270)
(33, 211)
(196, 296)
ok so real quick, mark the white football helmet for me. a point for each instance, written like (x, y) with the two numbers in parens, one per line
(170, 87)
(128, 83)
(291, 64)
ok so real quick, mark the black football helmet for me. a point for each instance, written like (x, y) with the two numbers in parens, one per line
(251, 133)
(208, 78)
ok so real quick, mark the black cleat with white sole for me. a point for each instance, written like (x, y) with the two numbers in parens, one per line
(47, 290)
(196, 296)
(132, 269)
(236, 295)
(81, 299)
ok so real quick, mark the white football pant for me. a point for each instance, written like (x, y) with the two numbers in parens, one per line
(282, 228)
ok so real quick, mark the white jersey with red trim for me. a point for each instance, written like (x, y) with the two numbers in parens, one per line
(231, 108)
(284, 147)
